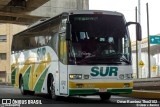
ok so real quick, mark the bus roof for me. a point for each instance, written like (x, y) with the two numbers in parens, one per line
(36, 25)
(71, 13)
(95, 12)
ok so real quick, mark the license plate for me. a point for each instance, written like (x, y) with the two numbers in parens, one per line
(102, 90)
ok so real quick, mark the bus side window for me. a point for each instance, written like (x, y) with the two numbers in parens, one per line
(33, 42)
(41, 40)
(22, 44)
(54, 42)
(14, 43)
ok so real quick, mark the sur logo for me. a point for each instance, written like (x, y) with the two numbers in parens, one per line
(41, 51)
(104, 71)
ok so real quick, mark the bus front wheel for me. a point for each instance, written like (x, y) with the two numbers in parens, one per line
(52, 88)
(23, 92)
(105, 96)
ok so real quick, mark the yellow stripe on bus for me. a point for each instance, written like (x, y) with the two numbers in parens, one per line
(26, 65)
(31, 77)
(23, 70)
(38, 72)
(100, 84)
(17, 76)
(41, 67)
(34, 75)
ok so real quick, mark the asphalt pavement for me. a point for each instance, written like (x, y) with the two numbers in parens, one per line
(14, 93)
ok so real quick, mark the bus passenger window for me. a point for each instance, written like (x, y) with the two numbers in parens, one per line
(33, 42)
(54, 42)
(41, 40)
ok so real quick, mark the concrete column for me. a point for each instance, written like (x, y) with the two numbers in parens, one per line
(55, 7)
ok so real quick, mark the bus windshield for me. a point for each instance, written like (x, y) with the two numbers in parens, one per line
(99, 39)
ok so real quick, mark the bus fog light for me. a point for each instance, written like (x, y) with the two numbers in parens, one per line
(126, 85)
(125, 76)
(86, 76)
(71, 76)
(131, 76)
(75, 76)
(121, 76)
(128, 76)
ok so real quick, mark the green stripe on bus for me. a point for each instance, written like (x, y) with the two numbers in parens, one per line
(40, 82)
(13, 76)
(82, 91)
(120, 91)
(26, 78)
(96, 91)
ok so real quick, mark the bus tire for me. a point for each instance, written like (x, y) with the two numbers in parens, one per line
(31, 92)
(105, 96)
(49, 84)
(23, 92)
(52, 89)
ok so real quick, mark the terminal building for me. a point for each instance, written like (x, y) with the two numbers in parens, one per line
(154, 60)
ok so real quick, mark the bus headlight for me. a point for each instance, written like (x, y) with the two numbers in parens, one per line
(86, 76)
(75, 76)
(129, 76)
(121, 76)
(125, 76)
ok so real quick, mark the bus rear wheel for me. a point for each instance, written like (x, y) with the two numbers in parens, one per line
(31, 92)
(23, 92)
(105, 96)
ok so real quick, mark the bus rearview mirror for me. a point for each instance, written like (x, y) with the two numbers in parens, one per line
(138, 30)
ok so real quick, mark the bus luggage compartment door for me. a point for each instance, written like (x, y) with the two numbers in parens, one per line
(63, 79)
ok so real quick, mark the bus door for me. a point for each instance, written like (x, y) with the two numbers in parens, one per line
(63, 65)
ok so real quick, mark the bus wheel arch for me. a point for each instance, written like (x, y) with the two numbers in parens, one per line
(20, 76)
(51, 87)
(50, 76)
(21, 85)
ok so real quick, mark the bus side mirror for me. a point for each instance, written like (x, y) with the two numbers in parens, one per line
(138, 30)
(68, 31)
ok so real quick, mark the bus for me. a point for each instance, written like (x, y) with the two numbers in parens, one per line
(84, 52)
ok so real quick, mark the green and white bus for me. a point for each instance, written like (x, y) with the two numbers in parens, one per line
(75, 53)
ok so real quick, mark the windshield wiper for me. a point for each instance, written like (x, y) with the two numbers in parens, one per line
(98, 60)
(111, 59)
(124, 60)
(90, 58)
(121, 56)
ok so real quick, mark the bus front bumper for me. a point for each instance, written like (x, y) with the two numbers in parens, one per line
(92, 88)
(97, 91)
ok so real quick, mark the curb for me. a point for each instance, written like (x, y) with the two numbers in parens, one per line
(143, 94)
(7, 84)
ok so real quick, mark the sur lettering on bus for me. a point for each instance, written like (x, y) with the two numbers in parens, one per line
(104, 71)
